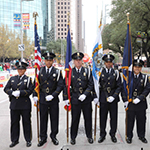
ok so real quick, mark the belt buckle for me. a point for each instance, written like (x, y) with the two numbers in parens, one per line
(108, 89)
(47, 90)
(135, 94)
(81, 90)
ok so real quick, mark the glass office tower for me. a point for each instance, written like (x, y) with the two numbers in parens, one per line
(8, 8)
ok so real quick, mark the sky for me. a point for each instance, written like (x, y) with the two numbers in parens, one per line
(91, 15)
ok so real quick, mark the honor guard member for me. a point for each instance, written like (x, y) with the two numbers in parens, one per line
(110, 87)
(137, 108)
(19, 88)
(81, 87)
(51, 84)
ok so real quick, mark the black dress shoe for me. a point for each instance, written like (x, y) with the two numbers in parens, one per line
(143, 139)
(129, 140)
(90, 140)
(101, 139)
(28, 144)
(42, 142)
(13, 144)
(55, 141)
(73, 141)
(114, 139)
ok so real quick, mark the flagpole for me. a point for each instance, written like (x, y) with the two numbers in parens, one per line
(128, 93)
(35, 14)
(67, 90)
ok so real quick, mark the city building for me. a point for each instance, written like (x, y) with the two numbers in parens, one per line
(10, 16)
(63, 7)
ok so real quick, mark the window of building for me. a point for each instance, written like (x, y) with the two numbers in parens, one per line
(58, 33)
(61, 29)
(61, 3)
(58, 20)
(58, 12)
(68, 7)
(65, 29)
(65, 16)
(65, 3)
(68, 3)
(62, 12)
(65, 33)
(58, 16)
(58, 25)
(58, 7)
(58, 29)
(61, 16)
(65, 7)
(58, 37)
(62, 25)
(65, 20)
(61, 20)
(61, 37)
(65, 12)
(58, 3)
(61, 33)
(65, 25)
(61, 7)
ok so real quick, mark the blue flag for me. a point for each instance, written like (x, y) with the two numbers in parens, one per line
(68, 65)
(127, 65)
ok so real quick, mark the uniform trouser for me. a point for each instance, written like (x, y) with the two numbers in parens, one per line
(140, 117)
(87, 114)
(112, 108)
(53, 110)
(15, 125)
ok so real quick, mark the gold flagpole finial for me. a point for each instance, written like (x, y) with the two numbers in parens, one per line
(128, 14)
(68, 16)
(35, 14)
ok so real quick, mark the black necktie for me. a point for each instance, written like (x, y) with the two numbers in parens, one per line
(135, 76)
(108, 71)
(47, 73)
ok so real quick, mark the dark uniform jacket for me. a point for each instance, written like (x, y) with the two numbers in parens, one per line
(141, 88)
(25, 87)
(110, 85)
(50, 85)
(81, 83)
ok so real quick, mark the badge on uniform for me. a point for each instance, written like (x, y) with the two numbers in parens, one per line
(25, 80)
(54, 75)
(12, 80)
(84, 74)
(41, 75)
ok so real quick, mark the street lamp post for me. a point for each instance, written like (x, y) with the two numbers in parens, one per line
(21, 35)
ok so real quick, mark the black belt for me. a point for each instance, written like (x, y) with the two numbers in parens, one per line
(47, 90)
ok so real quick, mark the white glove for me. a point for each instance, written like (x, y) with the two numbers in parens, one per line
(35, 98)
(67, 102)
(96, 100)
(82, 97)
(16, 93)
(136, 101)
(126, 104)
(98, 104)
(49, 97)
(110, 99)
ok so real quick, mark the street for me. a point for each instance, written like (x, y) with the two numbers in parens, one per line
(81, 141)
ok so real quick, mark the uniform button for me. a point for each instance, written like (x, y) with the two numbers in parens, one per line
(25, 100)
(108, 83)
(135, 89)
(47, 83)
(79, 83)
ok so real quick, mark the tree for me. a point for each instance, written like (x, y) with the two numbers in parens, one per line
(55, 46)
(114, 34)
(9, 41)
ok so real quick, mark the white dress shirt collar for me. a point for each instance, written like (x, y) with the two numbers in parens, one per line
(48, 68)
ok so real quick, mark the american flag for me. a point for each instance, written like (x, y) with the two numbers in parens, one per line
(37, 59)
